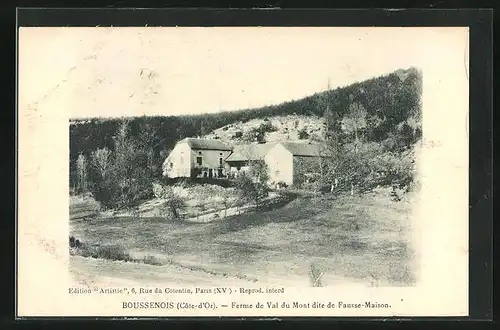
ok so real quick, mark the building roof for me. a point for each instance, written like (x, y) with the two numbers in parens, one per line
(246, 152)
(207, 144)
(303, 149)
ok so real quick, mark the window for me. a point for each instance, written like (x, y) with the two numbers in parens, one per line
(199, 161)
(220, 161)
(220, 154)
(199, 152)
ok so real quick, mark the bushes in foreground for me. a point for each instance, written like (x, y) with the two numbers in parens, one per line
(112, 252)
(109, 252)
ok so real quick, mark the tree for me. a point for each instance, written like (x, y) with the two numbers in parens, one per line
(266, 127)
(172, 203)
(202, 206)
(128, 179)
(101, 160)
(398, 168)
(261, 192)
(351, 169)
(81, 167)
(226, 202)
(332, 150)
(331, 120)
(258, 170)
(250, 190)
(244, 184)
(389, 100)
(355, 121)
(226, 199)
(254, 135)
(204, 128)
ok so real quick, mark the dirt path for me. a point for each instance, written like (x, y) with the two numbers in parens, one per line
(100, 272)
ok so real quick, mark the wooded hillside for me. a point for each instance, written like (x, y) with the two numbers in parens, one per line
(384, 110)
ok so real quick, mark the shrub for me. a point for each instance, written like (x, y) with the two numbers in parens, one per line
(109, 252)
(281, 185)
(195, 171)
(250, 190)
(371, 165)
(151, 260)
(74, 243)
(187, 182)
(315, 275)
(266, 127)
(259, 171)
(172, 203)
(106, 192)
(254, 135)
(303, 135)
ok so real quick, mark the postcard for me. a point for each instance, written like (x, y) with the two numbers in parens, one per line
(242, 171)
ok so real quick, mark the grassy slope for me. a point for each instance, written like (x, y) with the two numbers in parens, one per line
(362, 238)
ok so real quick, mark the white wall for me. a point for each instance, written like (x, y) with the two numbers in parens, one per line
(178, 163)
(280, 163)
(182, 158)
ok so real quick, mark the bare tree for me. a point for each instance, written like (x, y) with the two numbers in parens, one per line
(355, 121)
(202, 206)
(226, 201)
(172, 203)
(101, 160)
(81, 167)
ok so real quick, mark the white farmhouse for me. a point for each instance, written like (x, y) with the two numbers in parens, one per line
(287, 162)
(197, 158)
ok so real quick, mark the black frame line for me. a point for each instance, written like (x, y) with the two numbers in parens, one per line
(480, 112)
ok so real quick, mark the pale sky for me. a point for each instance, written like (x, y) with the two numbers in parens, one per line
(96, 72)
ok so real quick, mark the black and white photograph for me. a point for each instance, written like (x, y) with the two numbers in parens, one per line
(254, 159)
(313, 185)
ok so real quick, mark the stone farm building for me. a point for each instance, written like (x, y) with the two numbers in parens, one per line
(211, 158)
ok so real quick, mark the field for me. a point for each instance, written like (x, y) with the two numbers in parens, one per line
(311, 241)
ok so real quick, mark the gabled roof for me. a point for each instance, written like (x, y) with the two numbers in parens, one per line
(304, 149)
(246, 152)
(207, 144)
